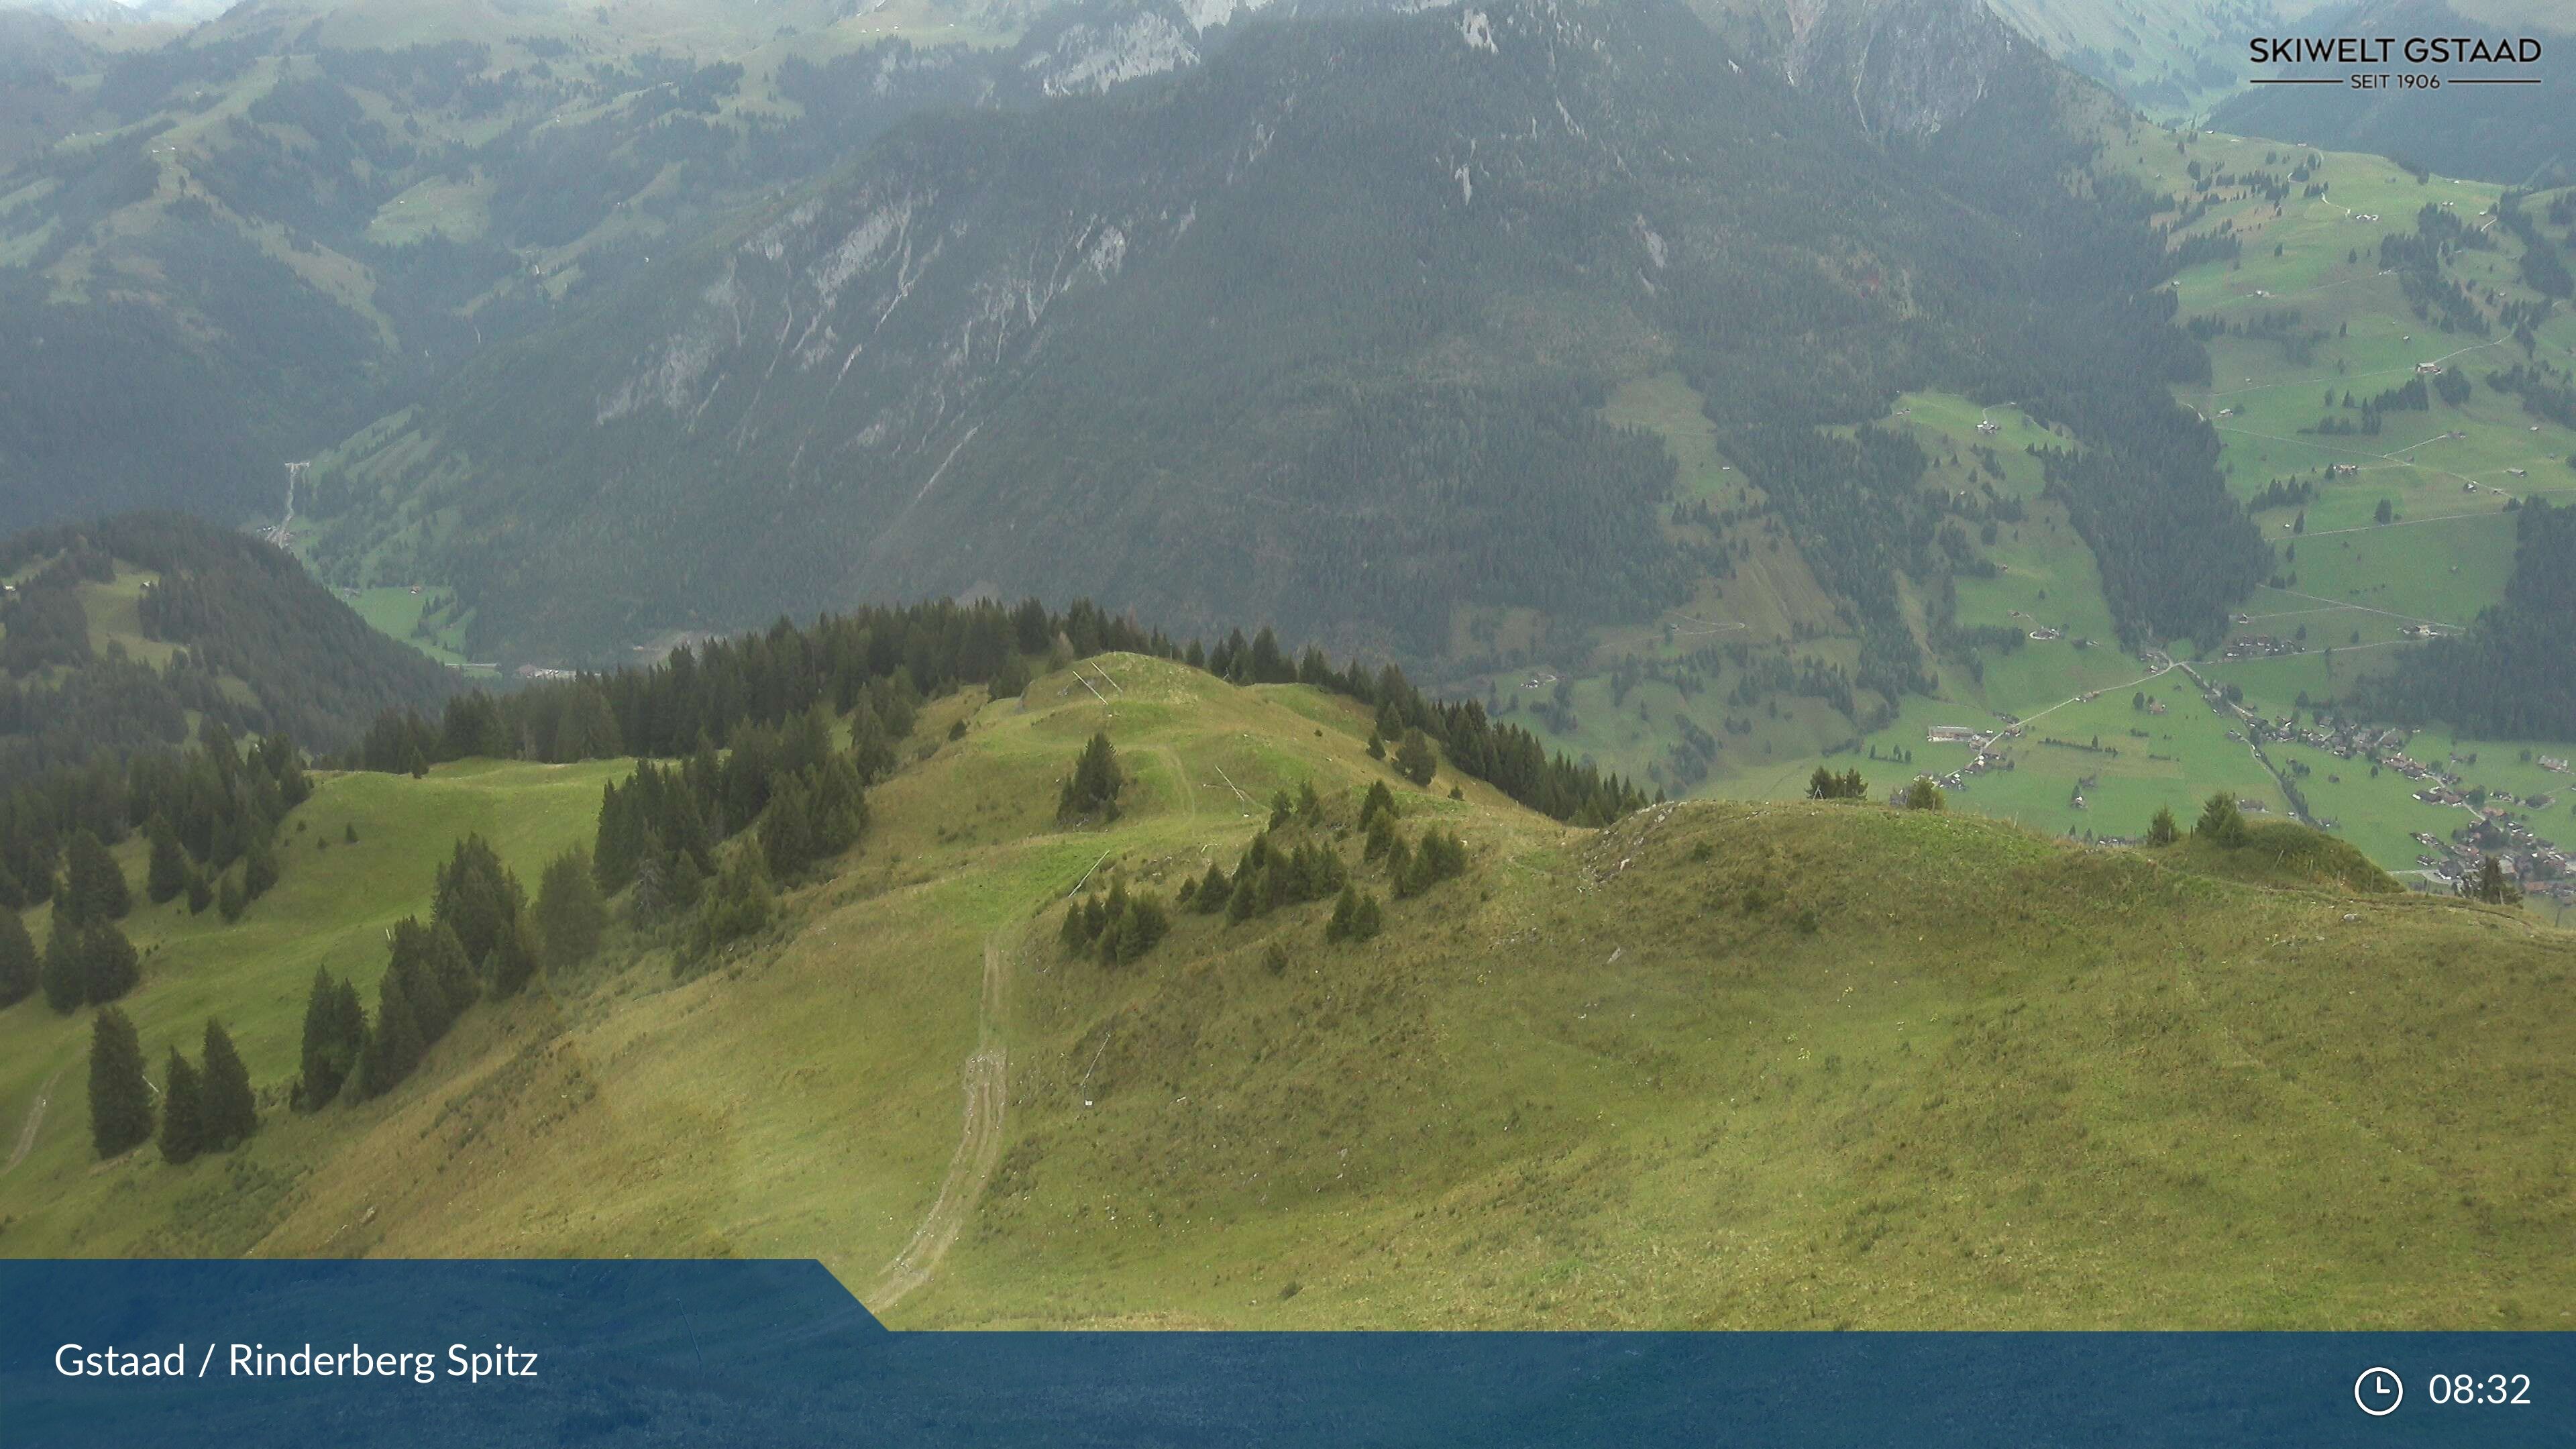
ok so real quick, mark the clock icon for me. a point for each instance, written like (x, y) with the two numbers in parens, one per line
(2378, 1391)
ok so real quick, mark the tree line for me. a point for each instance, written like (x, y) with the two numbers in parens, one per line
(212, 817)
(2512, 673)
(258, 647)
(891, 658)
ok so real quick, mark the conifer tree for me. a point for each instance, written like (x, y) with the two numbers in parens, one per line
(2162, 830)
(201, 892)
(1415, 759)
(2492, 887)
(65, 975)
(1012, 680)
(684, 884)
(450, 971)
(394, 1043)
(570, 915)
(231, 1109)
(1379, 801)
(120, 1101)
(1345, 915)
(787, 830)
(2221, 823)
(1146, 925)
(183, 1105)
(1417, 874)
(1441, 856)
(476, 897)
(837, 805)
(512, 962)
(1093, 790)
(229, 900)
(95, 885)
(740, 902)
(409, 967)
(1827, 785)
(167, 875)
(109, 966)
(1368, 919)
(335, 1030)
(871, 747)
(685, 830)
(259, 868)
(1214, 890)
(20, 972)
(613, 855)
(588, 727)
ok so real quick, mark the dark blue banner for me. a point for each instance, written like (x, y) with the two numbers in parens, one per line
(180, 1355)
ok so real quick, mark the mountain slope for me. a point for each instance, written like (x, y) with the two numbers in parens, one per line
(1784, 1065)
(1115, 348)
(133, 632)
(2172, 59)
(231, 245)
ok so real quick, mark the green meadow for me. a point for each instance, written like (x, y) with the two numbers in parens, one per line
(1776, 1064)
(2347, 585)
(427, 619)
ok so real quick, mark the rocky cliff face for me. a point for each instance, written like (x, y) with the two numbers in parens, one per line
(1901, 68)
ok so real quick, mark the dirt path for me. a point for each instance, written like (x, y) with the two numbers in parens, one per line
(1181, 772)
(979, 1147)
(35, 1119)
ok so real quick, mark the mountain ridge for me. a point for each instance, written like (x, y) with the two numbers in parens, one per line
(1610, 182)
(1700, 1068)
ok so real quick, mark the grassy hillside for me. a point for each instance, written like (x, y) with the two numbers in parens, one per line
(1784, 1064)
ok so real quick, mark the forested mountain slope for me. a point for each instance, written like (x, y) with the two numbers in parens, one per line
(133, 632)
(1132, 997)
(2173, 59)
(1116, 347)
(223, 247)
